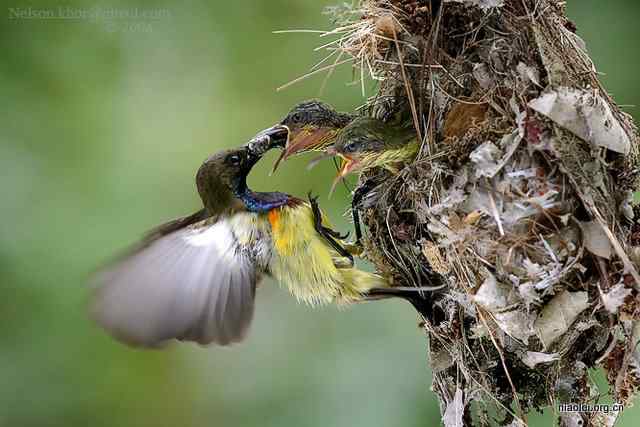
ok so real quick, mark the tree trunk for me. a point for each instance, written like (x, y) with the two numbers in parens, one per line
(519, 204)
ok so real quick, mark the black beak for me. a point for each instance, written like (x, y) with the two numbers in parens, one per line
(273, 137)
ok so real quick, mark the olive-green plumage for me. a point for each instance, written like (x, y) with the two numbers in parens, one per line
(367, 143)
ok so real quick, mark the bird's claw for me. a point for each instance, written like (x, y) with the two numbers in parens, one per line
(356, 200)
(337, 234)
(329, 234)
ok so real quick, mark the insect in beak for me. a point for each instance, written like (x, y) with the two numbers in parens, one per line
(274, 137)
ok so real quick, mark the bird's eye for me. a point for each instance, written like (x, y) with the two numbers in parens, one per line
(351, 147)
(296, 118)
(234, 159)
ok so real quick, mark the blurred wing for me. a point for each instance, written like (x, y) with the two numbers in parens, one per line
(174, 225)
(195, 284)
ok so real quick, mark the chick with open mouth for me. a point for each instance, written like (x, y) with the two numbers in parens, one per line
(309, 126)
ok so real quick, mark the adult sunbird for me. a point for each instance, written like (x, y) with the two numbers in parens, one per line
(311, 126)
(195, 278)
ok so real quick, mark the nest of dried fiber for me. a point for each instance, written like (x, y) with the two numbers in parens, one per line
(520, 202)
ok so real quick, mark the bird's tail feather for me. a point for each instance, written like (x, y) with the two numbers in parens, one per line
(358, 282)
(418, 297)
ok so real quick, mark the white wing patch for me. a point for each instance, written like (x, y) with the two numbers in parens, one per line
(218, 234)
(218, 237)
(195, 284)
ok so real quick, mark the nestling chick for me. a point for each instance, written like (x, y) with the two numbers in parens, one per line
(367, 143)
(311, 126)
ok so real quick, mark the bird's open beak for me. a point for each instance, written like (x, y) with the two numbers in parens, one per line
(306, 139)
(327, 153)
(347, 165)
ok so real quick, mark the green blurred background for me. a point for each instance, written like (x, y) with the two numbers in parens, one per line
(104, 122)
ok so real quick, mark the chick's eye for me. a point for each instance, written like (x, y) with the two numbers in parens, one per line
(234, 159)
(296, 118)
(351, 147)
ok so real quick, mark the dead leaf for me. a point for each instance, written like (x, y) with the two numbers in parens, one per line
(482, 4)
(559, 314)
(586, 114)
(528, 72)
(492, 295)
(595, 239)
(453, 415)
(483, 76)
(532, 358)
(613, 299)
(515, 323)
(462, 117)
(571, 419)
(432, 253)
(489, 158)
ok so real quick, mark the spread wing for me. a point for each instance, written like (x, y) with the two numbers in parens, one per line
(196, 284)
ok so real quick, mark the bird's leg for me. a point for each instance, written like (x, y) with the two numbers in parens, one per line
(329, 234)
(358, 195)
(318, 220)
(335, 234)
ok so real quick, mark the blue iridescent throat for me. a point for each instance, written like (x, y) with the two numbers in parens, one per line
(263, 202)
(259, 202)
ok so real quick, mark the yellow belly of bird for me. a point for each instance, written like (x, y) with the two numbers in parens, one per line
(307, 265)
(391, 158)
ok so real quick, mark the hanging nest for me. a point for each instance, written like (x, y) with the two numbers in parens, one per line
(520, 202)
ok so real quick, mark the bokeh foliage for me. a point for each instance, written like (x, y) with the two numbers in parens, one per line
(105, 121)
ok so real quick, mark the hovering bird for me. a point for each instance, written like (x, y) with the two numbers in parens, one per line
(311, 126)
(195, 278)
